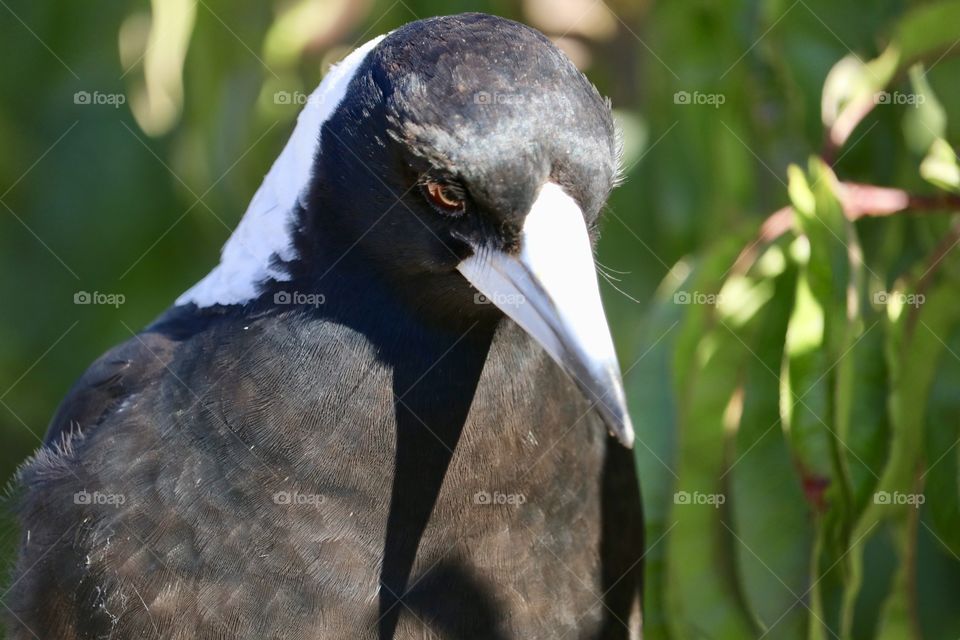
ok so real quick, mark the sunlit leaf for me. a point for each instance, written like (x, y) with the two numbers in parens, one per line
(847, 79)
(924, 120)
(157, 106)
(770, 514)
(940, 167)
(308, 23)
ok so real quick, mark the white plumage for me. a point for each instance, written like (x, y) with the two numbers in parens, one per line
(266, 227)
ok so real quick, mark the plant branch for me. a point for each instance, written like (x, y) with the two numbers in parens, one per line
(858, 201)
(866, 201)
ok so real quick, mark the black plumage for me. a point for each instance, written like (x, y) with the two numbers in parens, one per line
(396, 462)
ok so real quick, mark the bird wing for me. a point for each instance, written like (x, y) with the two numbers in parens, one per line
(116, 376)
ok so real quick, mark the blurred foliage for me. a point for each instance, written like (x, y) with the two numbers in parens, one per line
(805, 372)
(794, 382)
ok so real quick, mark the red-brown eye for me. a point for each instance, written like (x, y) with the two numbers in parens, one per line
(444, 197)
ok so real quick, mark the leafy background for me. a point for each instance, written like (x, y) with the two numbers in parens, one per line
(790, 338)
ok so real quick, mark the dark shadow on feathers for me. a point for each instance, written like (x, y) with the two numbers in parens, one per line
(621, 540)
(473, 612)
(427, 435)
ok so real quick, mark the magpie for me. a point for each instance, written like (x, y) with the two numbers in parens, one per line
(386, 412)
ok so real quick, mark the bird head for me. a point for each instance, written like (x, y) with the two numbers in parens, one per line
(467, 160)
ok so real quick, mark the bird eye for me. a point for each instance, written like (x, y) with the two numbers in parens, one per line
(449, 199)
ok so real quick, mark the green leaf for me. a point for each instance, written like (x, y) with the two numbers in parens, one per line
(942, 474)
(925, 119)
(866, 436)
(701, 593)
(819, 380)
(914, 347)
(652, 403)
(157, 103)
(804, 389)
(927, 30)
(817, 335)
(771, 519)
(849, 79)
(852, 88)
(940, 167)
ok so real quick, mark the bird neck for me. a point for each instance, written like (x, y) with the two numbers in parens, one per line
(358, 287)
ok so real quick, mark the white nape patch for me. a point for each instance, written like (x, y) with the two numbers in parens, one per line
(265, 229)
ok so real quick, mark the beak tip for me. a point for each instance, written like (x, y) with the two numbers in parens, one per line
(613, 404)
(624, 432)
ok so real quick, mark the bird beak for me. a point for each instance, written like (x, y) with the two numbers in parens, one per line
(550, 289)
